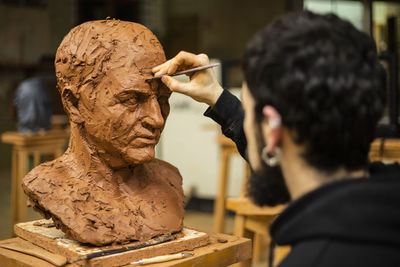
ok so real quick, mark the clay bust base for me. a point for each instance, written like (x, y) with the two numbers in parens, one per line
(108, 211)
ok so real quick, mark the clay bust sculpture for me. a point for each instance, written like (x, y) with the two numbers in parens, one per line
(108, 187)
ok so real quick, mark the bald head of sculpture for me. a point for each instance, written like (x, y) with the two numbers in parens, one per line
(101, 68)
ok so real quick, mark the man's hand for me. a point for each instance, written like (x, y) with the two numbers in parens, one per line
(203, 85)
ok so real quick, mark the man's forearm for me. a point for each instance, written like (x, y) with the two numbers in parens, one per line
(228, 113)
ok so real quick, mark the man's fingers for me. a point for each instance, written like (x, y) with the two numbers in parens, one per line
(172, 67)
(186, 60)
(161, 69)
(183, 60)
(175, 85)
(204, 59)
(161, 72)
(157, 68)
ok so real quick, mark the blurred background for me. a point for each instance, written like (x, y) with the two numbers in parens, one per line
(31, 30)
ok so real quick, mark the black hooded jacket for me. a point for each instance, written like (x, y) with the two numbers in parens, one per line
(349, 222)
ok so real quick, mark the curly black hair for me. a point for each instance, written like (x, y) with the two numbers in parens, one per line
(324, 77)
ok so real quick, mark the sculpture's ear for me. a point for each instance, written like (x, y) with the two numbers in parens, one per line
(70, 101)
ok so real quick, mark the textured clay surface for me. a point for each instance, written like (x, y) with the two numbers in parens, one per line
(108, 187)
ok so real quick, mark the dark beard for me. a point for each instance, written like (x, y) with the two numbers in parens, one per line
(266, 187)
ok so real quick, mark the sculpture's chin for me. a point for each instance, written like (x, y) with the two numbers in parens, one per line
(137, 156)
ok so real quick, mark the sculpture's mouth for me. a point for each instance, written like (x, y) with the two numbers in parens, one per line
(145, 140)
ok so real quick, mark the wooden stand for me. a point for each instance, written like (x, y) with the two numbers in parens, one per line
(228, 149)
(209, 249)
(385, 149)
(251, 221)
(47, 143)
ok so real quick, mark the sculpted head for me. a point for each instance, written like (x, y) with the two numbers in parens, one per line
(101, 68)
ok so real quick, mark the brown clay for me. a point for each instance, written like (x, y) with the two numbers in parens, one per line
(108, 187)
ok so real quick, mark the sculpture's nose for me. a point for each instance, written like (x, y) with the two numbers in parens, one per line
(153, 118)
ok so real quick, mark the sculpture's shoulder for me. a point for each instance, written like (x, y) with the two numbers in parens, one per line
(44, 184)
(45, 173)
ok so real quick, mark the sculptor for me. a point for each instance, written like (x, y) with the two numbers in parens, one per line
(108, 187)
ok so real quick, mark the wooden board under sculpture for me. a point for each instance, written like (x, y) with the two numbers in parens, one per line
(108, 190)
(44, 234)
(221, 250)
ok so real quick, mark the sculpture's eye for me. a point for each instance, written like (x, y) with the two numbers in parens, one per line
(130, 103)
(131, 98)
(139, 97)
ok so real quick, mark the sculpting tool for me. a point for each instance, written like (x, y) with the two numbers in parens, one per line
(185, 71)
(163, 258)
(109, 252)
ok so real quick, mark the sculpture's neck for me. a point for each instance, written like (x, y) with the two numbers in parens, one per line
(88, 161)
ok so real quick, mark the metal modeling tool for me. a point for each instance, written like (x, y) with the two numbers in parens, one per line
(163, 258)
(185, 71)
(108, 252)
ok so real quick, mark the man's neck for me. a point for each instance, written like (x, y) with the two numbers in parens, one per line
(302, 178)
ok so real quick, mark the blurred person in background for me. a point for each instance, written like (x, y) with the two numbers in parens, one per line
(33, 106)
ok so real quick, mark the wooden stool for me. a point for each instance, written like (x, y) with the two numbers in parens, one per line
(47, 143)
(228, 149)
(251, 221)
(385, 149)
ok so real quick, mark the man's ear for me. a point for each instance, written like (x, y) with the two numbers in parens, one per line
(70, 101)
(274, 128)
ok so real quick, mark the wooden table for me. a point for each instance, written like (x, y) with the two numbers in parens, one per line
(47, 143)
(223, 250)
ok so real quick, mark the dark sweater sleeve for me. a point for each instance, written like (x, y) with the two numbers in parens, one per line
(228, 112)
